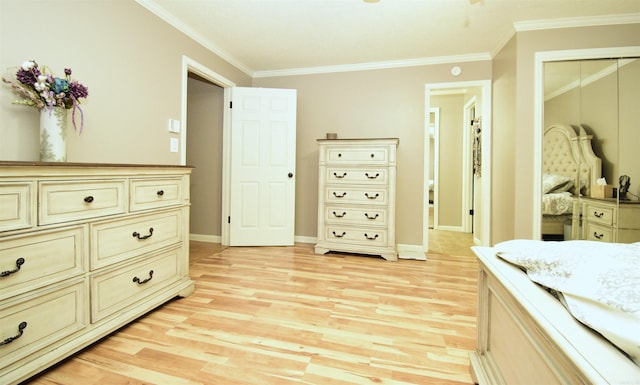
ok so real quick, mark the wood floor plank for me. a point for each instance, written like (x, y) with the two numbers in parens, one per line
(283, 315)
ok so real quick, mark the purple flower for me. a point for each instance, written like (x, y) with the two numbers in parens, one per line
(28, 77)
(67, 71)
(77, 90)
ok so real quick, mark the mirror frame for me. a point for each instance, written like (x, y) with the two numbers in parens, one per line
(540, 58)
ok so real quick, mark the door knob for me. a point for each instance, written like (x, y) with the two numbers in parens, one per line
(290, 175)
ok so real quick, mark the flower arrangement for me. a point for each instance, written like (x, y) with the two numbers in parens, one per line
(40, 89)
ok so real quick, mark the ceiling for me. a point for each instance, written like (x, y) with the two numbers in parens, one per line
(267, 37)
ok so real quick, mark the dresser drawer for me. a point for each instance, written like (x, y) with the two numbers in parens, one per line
(372, 155)
(356, 215)
(349, 195)
(28, 262)
(599, 233)
(356, 235)
(40, 319)
(80, 199)
(373, 176)
(122, 239)
(153, 193)
(16, 205)
(116, 289)
(599, 214)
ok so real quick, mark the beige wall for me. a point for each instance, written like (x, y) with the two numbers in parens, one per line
(205, 103)
(450, 162)
(130, 60)
(377, 103)
(503, 154)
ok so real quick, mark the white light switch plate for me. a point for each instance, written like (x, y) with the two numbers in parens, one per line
(173, 125)
(173, 144)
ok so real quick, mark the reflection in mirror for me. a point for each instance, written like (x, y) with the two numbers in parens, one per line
(589, 139)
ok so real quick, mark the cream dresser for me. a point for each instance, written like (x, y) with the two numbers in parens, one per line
(84, 250)
(606, 221)
(357, 196)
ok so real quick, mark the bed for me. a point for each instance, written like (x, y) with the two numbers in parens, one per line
(569, 168)
(525, 333)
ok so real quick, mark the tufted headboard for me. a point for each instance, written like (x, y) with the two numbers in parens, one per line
(566, 153)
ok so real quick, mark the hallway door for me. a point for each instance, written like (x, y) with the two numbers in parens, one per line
(263, 155)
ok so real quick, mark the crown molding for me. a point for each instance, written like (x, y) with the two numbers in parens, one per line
(191, 33)
(572, 22)
(374, 65)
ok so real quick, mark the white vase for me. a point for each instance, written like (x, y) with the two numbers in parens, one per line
(53, 134)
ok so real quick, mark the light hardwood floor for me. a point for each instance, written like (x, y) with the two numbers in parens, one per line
(282, 315)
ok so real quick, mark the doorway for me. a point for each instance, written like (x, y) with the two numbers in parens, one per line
(461, 161)
(194, 70)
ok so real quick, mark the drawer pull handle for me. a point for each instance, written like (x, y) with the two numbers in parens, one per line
(19, 263)
(339, 215)
(339, 196)
(597, 236)
(142, 282)
(88, 199)
(339, 155)
(597, 214)
(339, 236)
(160, 193)
(372, 196)
(369, 217)
(340, 176)
(372, 177)
(370, 238)
(21, 327)
(137, 234)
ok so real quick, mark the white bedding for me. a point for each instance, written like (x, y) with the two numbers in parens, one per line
(599, 283)
(557, 203)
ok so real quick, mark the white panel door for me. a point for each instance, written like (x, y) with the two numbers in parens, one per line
(263, 156)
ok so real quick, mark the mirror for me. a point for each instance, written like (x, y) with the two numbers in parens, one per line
(589, 133)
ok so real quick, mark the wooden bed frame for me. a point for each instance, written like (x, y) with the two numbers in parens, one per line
(525, 336)
(568, 151)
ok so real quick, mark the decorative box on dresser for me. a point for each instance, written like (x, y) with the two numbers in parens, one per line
(607, 221)
(84, 250)
(357, 196)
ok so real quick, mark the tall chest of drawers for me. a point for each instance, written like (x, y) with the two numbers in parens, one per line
(357, 196)
(84, 250)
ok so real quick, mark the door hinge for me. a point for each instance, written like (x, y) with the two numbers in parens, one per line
(229, 219)
(230, 104)
(470, 212)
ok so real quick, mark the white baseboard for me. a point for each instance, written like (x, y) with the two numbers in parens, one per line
(411, 252)
(205, 238)
(303, 239)
(450, 228)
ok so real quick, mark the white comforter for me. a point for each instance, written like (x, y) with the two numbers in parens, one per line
(557, 203)
(599, 282)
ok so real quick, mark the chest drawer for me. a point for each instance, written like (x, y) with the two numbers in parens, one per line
(120, 288)
(81, 199)
(119, 240)
(599, 214)
(356, 235)
(16, 205)
(370, 196)
(356, 215)
(369, 176)
(599, 233)
(372, 155)
(28, 262)
(40, 319)
(153, 193)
